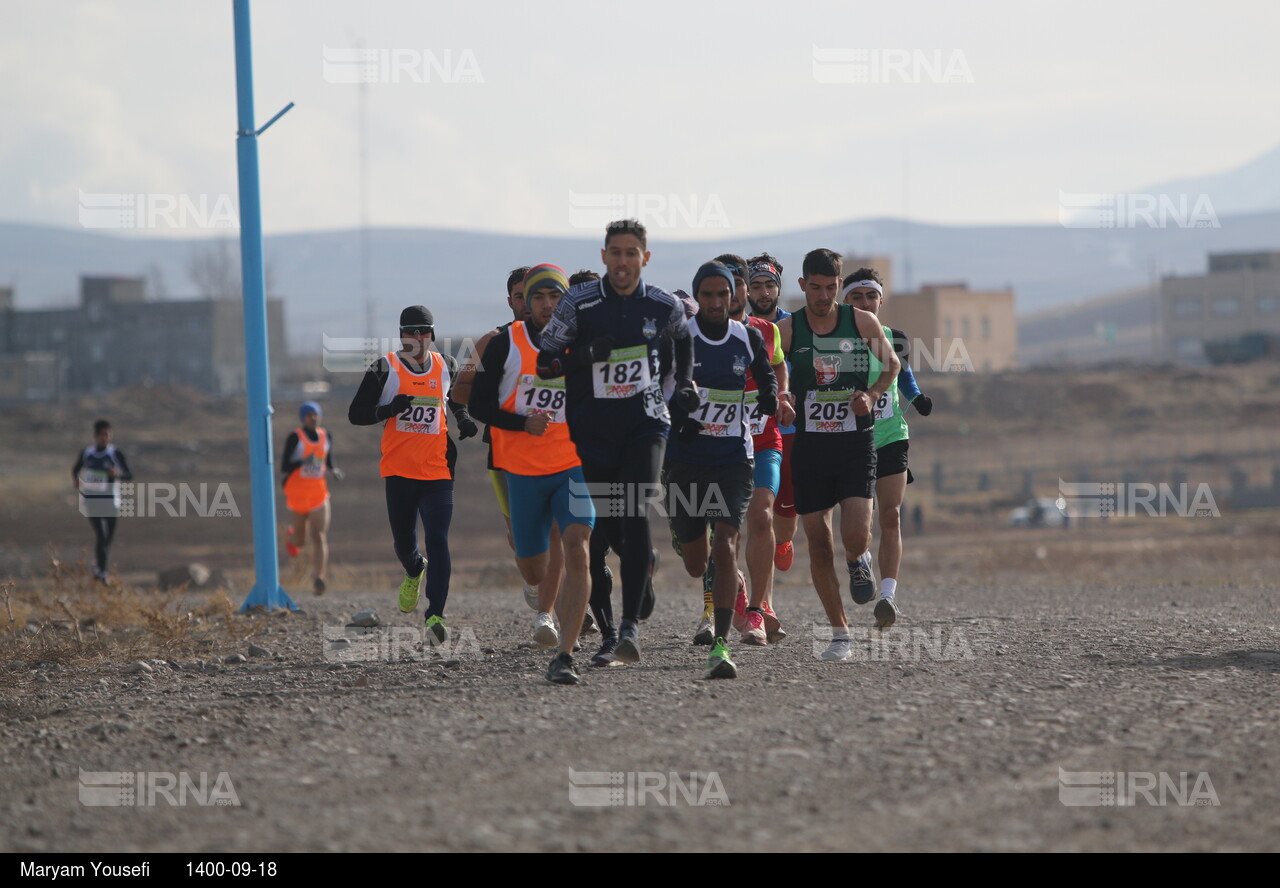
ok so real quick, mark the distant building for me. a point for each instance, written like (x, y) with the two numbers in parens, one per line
(116, 338)
(1240, 295)
(953, 328)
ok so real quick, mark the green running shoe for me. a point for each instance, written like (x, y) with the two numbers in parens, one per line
(437, 632)
(718, 664)
(411, 590)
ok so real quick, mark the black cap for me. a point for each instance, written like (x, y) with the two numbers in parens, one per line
(416, 316)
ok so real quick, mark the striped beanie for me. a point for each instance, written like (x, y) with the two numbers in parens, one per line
(545, 275)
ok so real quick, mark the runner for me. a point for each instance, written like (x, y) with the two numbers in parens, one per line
(601, 575)
(710, 468)
(531, 445)
(764, 292)
(308, 456)
(96, 476)
(841, 363)
(755, 618)
(406, 391)
(865, 290)
(605, 338)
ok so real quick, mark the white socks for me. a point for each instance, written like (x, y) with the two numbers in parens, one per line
(888, 587)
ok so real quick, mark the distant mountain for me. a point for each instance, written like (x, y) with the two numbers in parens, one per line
(1251, 188)
(460, 275)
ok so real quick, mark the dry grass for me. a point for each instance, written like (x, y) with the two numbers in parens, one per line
(69, 618)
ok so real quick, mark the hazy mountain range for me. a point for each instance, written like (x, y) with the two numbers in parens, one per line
(461, 274)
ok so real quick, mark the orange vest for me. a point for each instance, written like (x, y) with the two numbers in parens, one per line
(414, 442)
(521, 391)
(306, 489)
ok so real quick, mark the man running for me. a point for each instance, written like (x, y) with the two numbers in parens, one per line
(96, 476)
(865, 290)
(759, 624)
(542, 596)
(709, 460)
(407, 391)
(764, 292)
(605, 338)
(531, 446)
(308, 456)
(841, 363)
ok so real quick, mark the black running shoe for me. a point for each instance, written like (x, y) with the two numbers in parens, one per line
(318, 586)
(862, 582)
(628, 648)
(561, 671)
(604, 656)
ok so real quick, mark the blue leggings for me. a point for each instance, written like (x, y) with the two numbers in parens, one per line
(407, 500)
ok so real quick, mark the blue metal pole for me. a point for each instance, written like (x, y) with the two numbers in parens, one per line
(266, 589)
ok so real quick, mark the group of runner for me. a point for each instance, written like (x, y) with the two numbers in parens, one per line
(605, 395)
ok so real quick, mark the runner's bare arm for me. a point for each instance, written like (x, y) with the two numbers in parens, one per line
(467, 373)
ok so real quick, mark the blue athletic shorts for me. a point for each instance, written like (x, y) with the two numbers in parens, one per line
(537, 500)
(769, 469)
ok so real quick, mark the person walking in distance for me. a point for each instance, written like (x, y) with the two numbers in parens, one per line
(96, 476)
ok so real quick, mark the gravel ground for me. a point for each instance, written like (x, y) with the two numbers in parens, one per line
(1138, 649)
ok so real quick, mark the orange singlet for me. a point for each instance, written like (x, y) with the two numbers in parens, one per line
(521, 391)
(415, 441)
(306, 489)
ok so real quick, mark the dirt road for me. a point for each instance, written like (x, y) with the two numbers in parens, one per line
(1150, 649)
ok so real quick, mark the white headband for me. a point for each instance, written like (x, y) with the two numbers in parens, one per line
(853, 285)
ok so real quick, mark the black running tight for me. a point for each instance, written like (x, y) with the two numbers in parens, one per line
(637, 466)
(409, 499)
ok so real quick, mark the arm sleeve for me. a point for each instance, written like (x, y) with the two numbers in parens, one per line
(364, 406)
(328, 457)
(761, 369)
(561, 330)
(907, 386)
(287, 462)
(124, 474)
(484, 389)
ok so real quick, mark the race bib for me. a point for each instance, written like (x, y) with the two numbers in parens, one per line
(95, 482)
(721, 413)
(757, 418)
(884, 407)
(540, 397)
(624, 375)
(312, 467)
(829, 412)
(422, 417)
(655, 406)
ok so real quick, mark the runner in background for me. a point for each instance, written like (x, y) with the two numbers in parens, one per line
(864, 289)
(307, 458)
(764, 292)
(96, 476)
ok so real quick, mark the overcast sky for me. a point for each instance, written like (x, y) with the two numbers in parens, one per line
(708, 115)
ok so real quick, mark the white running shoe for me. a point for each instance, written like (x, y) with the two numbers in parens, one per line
(839, 649)
(531, 596)
(544, 632)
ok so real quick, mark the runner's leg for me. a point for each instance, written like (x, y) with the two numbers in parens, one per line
(435, 506)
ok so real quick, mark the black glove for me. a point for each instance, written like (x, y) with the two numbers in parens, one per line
(599, 349)
(687, 397)
(688, 430)
(467, 427)
(768, 404)
(923, 404)
(399, 404)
